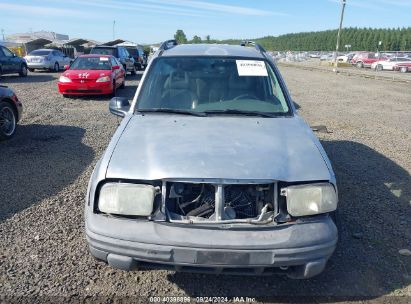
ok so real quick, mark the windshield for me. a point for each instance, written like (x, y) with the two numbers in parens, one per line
(40, 53)
(218, 85)
(91, 63)
(104, 51)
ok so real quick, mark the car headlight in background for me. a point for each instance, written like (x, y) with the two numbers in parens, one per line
(64, 79)
(127, 199)
(310, 199)
(103, 79)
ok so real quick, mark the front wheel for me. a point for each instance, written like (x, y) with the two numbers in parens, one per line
(23, 70)
(8, 121)
(56, 67)
(359, 65)
(403, 69)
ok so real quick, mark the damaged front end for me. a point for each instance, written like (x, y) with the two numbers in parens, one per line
(210, 203)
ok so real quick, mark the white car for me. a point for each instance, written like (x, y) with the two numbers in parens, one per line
(389, 64)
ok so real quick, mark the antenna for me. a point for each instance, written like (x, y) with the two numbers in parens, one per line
(114, 33)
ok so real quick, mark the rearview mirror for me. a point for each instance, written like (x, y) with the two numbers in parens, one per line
(119, 106)
(115, 67)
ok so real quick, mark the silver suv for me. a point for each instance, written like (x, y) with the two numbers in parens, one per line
(212, 170)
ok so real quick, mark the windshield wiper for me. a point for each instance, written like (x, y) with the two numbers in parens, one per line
(173, 111)
(242, 112)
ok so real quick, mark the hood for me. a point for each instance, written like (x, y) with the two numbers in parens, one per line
(156, 146)
(86, 74)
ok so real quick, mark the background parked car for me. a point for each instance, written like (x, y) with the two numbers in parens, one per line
(346, 58)
(403, 67)
(120, 53)
(92, 75)
(139, 57)
(365, 59)
(10, 63)
(10, 112)
(389, 64)
(47, 59)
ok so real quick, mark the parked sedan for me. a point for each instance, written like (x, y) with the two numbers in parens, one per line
(11, 110)
(92, 75)
(10, 63)
(212, 170)
(47, 59)
(389, 64)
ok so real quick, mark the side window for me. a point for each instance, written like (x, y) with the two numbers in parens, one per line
(7, 53)
(1, 52)
(126, 53)
(113, 61)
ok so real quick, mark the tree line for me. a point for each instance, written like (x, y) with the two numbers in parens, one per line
(360, 39)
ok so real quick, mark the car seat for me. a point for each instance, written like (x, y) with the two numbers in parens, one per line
(177, 93)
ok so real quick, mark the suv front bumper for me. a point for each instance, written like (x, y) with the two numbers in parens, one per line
(300, 250)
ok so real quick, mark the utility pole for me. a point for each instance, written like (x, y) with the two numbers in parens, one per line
(114, 33)
(343, 3)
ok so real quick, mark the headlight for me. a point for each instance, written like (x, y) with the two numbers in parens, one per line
(103, 79)
(64, 79)
(127, 199)
(310, 199)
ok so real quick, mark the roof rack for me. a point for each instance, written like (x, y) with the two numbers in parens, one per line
(167, 45)
(257, 46)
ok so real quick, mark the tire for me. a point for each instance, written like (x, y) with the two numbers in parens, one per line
(379, 68)
(123, 85)
(31, 70)
(56, 67)
(65, 96)
(23, 70)
(403, 69)
(8, 121)
(359, 65)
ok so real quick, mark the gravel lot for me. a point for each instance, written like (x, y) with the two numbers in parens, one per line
(45, 170)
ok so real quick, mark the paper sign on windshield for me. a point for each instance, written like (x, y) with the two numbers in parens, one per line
(103, 59)
(251, 68)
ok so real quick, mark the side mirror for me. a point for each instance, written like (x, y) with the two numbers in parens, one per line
(14, 55)
(115, 67)
(66, 67)
(119, 106)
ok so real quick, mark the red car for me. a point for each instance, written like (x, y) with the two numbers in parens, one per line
(365, 59)
(92, 75)
(403, 67)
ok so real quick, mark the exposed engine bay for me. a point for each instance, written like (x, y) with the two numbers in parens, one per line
(253, 203)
